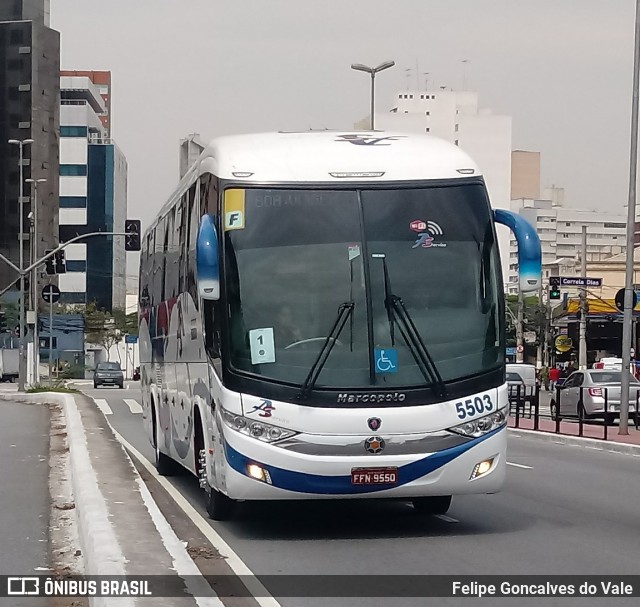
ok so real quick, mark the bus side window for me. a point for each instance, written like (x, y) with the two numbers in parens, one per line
(190, 245)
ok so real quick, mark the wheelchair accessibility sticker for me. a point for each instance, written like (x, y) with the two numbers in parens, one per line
(386, 360)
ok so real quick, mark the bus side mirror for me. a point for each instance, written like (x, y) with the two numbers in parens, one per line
(529, 253)
(207, 267)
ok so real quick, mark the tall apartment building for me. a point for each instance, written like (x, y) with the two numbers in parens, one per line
(457, 117)
(93, 196)
(29, 109)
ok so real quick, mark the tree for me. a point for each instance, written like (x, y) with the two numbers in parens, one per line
(101, 327)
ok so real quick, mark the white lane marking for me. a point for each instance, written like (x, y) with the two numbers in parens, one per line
(519, 466)
(259, 592)
(184, 566)
(447, 519)
(103, 406)
(133, 405)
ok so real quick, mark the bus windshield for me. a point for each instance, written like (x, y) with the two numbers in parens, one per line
(416, 266)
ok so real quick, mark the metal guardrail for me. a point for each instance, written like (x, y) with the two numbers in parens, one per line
(521, 407)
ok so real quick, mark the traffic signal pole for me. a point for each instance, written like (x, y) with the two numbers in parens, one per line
(23, 272)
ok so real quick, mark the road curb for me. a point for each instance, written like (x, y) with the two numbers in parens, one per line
(101, 551)
(577, 441)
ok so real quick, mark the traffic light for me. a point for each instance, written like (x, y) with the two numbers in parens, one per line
(554, 287)
(49, 263)
(61, 268)
(132, 239)
(3, 323)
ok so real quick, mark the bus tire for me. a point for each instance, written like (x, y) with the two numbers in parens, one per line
(164, 464)
(432, 505)
(219, 506)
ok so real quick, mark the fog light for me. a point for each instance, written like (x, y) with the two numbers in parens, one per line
(255, 471)
(481, 468)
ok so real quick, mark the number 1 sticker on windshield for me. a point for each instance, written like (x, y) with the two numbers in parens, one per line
(262, 347)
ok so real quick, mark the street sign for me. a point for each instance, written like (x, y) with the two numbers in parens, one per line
(131, 339)
(530, 337)
(576, 281)
(519, 349)
(511, 351)
(620, 300)
(50, 293)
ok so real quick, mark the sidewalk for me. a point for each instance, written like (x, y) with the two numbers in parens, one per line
(120, 527)
(592, 433)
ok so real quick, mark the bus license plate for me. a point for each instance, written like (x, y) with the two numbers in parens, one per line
(374, 476)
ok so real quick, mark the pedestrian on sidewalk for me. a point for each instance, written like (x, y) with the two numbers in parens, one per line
(544, 378)
(554, 376)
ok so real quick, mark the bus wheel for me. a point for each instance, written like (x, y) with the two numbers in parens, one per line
(164, 464)
(219, 506)
(432, 505)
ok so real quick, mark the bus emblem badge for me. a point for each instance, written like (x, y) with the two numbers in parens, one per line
(374, 445)
(374, 423)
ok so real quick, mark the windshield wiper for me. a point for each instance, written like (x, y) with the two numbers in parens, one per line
(344, 312)
(397, 314)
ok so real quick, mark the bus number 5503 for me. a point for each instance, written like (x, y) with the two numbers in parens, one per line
(474, 406)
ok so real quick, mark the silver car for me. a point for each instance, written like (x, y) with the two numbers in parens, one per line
(586, 391)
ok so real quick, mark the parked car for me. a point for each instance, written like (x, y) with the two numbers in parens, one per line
(527, 375)
(515, 383)
(584, 392)
(108, 374)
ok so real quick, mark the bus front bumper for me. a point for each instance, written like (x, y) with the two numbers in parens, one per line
(259, 471)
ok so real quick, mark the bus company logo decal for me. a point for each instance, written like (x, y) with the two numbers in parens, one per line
(427, 232)
(374, 423)
(359, 139)
(265, 407)
(368, 397)
(374, 445)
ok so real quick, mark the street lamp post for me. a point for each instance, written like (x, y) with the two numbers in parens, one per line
(623, 428)
(34, 275)
(373, 71)
(22, 354)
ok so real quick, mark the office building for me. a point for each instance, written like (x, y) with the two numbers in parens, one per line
(560, 232)
(29, 109)
(93, 197)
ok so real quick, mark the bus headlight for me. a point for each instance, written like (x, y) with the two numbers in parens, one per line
(258, 430)
(482, 425)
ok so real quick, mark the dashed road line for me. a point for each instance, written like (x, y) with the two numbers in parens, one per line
(103, 406)
(133, 405)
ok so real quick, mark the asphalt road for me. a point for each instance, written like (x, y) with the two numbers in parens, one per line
(24, 491)
(565, 510)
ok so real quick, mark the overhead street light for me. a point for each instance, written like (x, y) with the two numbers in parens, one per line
(373, 71)
(22, 372)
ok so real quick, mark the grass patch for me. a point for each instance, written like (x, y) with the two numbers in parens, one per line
(55, 388)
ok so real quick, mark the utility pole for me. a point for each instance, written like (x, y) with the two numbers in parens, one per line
(34, 278)
(582, 351)
(623, 427)
(519, 340)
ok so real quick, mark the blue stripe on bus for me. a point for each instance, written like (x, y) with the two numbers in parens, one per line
(303, 482)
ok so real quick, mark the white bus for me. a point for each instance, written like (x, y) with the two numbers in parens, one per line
(322, 316)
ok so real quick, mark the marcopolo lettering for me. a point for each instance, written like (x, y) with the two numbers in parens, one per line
(369, 397)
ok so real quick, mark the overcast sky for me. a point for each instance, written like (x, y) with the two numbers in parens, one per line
(561, 68)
